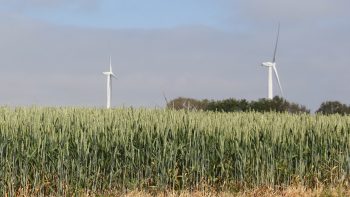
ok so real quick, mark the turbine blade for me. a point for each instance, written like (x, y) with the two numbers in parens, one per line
(166, 99)
(278, 35)
(110, 64)
(278, 79)
(113, 75)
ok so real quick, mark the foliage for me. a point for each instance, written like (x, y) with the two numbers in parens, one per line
(67, 150)
(187, 103)
(229, 105)
(277, 104)
(333, 107)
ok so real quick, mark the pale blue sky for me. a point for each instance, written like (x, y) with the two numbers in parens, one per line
(128, 13)
(52, 52)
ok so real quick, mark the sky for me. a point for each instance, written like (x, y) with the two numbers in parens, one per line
(53, 53)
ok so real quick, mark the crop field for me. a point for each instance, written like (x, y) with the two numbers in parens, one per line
(66, 151)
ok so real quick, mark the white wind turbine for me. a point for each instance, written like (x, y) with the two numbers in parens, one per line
(109, 74)
(270, 66)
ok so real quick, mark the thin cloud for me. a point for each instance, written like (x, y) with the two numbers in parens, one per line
(22, 6)
(61, 65)
(294, 10)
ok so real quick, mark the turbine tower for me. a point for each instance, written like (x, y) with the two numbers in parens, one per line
(109, 74)
(270, 66)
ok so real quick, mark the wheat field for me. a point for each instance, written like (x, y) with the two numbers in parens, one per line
(67, 151)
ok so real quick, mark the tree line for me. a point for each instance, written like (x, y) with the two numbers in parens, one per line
(277, 104)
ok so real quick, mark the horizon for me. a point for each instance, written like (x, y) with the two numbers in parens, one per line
(53, 53)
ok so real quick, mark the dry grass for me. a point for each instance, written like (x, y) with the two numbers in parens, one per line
(297, 191)
(259, 192)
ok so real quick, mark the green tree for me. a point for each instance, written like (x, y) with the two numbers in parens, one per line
(333, 107)
(277, 104)
(187, 103)
(228, 105)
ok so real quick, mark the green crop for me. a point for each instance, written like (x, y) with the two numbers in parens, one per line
(60, 150)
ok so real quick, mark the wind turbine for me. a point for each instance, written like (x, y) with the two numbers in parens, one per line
(270, 66)
(109, 74)
(166, 100)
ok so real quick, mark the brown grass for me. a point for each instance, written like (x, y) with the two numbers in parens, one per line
(257, 192)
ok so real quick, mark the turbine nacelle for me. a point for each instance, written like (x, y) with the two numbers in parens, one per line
(268, 64)
(110, 74)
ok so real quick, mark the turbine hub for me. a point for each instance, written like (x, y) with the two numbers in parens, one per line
(268, 64)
